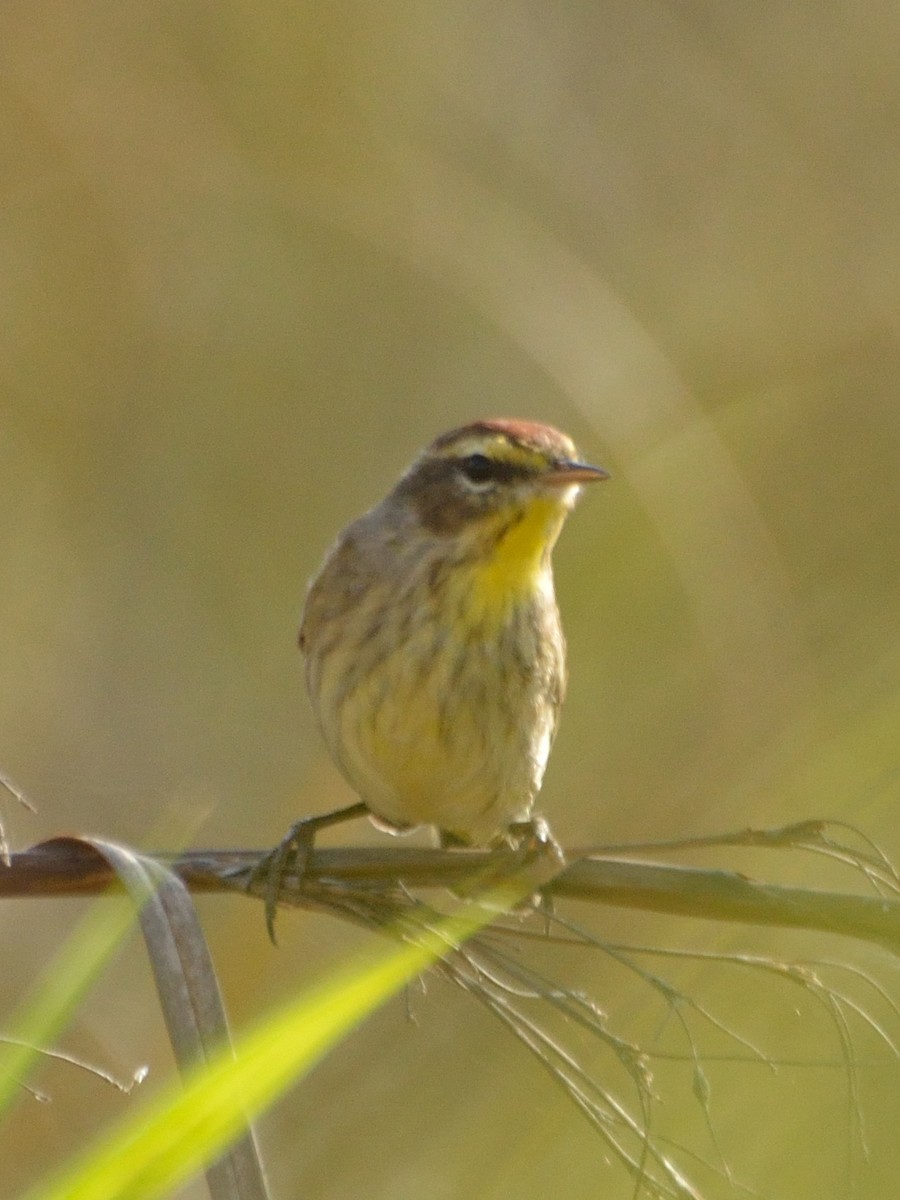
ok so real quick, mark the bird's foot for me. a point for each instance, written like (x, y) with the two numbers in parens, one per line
(536, 855)
(533, 838)
(291, 856)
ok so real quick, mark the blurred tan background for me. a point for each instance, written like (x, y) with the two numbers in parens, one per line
(251, 258)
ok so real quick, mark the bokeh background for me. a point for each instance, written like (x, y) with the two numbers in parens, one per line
(251, 258)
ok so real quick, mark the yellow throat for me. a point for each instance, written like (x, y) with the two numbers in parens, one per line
(517, 554)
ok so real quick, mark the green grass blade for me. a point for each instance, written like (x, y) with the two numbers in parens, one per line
(178, 1132)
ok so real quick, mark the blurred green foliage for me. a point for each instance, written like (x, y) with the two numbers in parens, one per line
(253, 257)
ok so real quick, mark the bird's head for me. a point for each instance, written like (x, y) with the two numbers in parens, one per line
(493, 496)
(490, 474)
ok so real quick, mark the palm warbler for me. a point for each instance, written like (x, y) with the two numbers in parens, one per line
(435, 660)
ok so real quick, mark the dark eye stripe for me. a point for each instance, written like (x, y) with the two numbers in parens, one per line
(478, 468)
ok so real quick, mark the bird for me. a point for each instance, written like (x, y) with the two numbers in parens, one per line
(434, 654)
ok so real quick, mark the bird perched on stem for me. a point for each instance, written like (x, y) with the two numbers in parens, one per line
(435, 659)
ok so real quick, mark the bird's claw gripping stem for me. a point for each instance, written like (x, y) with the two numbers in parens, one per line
(292, 855)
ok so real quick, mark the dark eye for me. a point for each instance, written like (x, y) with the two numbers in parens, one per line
(477, 468)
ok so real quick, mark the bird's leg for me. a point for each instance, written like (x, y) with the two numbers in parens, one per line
(293, 852)
(531, 841)
(533, 838)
